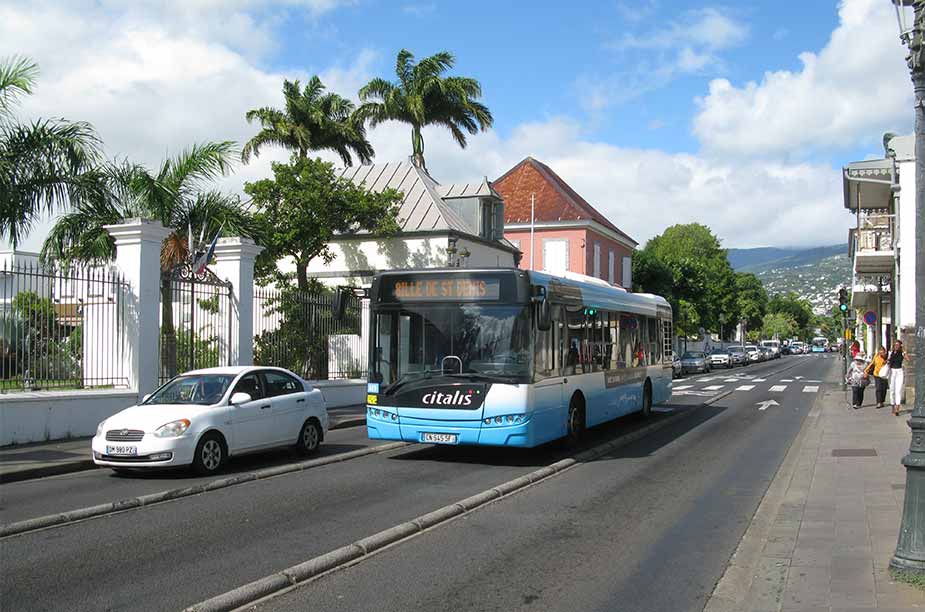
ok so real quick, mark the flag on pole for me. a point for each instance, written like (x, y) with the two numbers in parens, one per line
(200, 265)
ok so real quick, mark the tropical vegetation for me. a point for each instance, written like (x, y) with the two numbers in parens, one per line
(422, 96)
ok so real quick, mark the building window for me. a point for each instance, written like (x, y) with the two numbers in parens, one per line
(555, 255)
(492, 219)
(597, 260)
(611, 262)
(627, 278)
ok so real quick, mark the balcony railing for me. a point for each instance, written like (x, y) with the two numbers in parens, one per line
(871, 244)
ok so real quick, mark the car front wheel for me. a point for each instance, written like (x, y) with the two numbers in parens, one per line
(210, 454)
(309, 437)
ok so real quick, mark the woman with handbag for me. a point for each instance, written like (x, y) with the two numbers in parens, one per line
(879, 369)
(858, 380)
(895, 363)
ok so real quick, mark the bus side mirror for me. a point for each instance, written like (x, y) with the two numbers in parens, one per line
(543, 315)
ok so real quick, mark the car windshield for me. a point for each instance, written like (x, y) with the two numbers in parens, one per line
(692, 356)
(475, 340)
(719, 352)
(201, 389)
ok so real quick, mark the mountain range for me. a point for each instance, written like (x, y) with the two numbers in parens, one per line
(814, 273)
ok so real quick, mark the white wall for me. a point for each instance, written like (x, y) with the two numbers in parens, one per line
(52, 415)
(339, 393)
(483, 256)
(378, 254)
(904, 292)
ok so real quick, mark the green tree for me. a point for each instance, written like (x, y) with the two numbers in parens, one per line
(778, 325)
(797, 308)
(43, 164)
(304, 206)
(701, 274)
(751, 299)
(422, 96)
(311, 121)
(651, 275)
(178, 194)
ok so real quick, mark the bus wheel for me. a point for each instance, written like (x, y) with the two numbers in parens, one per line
(575, 425)
(647, 400)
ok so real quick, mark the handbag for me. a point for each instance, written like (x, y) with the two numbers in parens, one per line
(884, 371)
(864, 382)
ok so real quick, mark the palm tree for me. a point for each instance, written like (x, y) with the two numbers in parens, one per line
(43, 164)
(423, 97)
(177, 194)
(312, 121)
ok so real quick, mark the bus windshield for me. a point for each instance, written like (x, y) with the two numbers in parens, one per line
(452, 339)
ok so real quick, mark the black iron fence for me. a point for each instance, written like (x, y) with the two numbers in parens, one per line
(196, 322)
(61, 328)
(299, 331)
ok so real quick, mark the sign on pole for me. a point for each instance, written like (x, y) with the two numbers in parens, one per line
(870, 317)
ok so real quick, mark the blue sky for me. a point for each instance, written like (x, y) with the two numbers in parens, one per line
(736, 115)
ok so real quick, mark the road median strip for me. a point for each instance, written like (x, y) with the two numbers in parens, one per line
(315, 567)
(79, 514)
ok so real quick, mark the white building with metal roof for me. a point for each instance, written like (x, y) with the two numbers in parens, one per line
(460, 224)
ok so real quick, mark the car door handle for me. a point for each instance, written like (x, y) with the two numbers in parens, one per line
(299, 401)
(265, 407)
(564, 381)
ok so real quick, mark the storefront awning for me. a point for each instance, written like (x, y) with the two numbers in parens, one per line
(866, 184)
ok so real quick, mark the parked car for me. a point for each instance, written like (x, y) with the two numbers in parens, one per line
(797, 348)
(766, 352)
(754, 355)
(202, 417)
(785, 350)
(676, 368)
(738, 357)
(720, 357)
(694, 361)
(773, 345)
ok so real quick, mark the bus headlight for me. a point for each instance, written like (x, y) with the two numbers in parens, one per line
(505, 419)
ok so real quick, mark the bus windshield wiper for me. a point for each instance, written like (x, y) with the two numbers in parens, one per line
(501, 378)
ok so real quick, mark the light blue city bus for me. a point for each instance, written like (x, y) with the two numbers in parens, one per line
(508, 357)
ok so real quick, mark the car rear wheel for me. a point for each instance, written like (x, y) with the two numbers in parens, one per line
(210, 454)
(309, 437)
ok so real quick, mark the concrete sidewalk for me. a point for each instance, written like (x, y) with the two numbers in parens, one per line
(26, 461)
(824, 533)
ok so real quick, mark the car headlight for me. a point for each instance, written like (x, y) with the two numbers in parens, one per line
(172, 429)
(99, 428)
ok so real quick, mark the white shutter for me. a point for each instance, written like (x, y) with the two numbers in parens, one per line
(627, 280)
(611, 264)
(555, 255)
(597, 260)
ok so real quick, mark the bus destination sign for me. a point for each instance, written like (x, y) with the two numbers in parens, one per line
(435, 289)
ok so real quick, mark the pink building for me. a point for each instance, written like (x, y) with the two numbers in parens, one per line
(569, 234)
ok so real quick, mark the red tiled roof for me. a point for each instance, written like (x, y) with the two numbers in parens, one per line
(555, 199)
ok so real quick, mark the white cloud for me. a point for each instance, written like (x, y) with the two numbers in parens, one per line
(856, 86)
(691, 44)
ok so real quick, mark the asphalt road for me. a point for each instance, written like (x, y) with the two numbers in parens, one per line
(649, 528)
(654, 524)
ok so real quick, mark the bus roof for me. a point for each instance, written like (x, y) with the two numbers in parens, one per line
(599, 294)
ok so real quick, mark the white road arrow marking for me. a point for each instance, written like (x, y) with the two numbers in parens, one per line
(764, 405)
(798, 377)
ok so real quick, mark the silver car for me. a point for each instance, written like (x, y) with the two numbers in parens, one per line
(720, 357)
(694, 361)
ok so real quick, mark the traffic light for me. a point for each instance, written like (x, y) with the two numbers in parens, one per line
(843, 300)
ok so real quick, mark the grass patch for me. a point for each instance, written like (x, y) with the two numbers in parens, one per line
(915, 579)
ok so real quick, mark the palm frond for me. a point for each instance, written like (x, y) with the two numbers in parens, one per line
(17, 76)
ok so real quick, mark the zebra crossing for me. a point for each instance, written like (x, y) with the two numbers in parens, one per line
(710, 386)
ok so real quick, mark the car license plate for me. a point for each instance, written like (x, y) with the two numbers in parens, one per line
(439, 438)
(121, 450)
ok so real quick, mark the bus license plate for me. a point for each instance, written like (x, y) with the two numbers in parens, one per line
(439, 438)
(121, 450)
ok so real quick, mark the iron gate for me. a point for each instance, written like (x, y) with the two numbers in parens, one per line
(197, 321)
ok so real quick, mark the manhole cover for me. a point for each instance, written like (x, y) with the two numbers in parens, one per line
(854, 452)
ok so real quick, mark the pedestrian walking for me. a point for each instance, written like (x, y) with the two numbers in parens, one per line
(895, 362)
(855, 349)
(858, 380)
(881, 375)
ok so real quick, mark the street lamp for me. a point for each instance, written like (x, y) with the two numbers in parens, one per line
(910, 549)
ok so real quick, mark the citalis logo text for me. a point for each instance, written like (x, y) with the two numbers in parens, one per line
(457, 398)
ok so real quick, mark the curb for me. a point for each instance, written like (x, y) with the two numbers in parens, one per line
(54, 520)
(352, 553)
(83, 465)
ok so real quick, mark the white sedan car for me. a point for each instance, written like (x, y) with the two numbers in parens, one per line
(201, 418)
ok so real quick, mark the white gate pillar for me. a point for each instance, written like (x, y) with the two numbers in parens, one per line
(138, 258)
(234, 262)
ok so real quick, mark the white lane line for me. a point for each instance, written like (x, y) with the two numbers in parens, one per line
(786, 380)
(707, 379)
(813, 381)
(745, 388)
(681, 387)
(811, 389)
(733, 380)
(713, 388)
(759, 380)
(777, 388)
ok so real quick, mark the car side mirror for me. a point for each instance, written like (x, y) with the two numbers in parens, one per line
(239, 398)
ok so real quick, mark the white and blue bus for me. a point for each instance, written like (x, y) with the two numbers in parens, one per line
(508, 357)
(820, 345)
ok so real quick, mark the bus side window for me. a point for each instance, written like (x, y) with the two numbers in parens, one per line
(655, 355)
(545, 353)
(613, 341)
(574, 363)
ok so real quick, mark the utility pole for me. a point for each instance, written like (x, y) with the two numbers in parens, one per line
(532, 216)
(910, 548)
